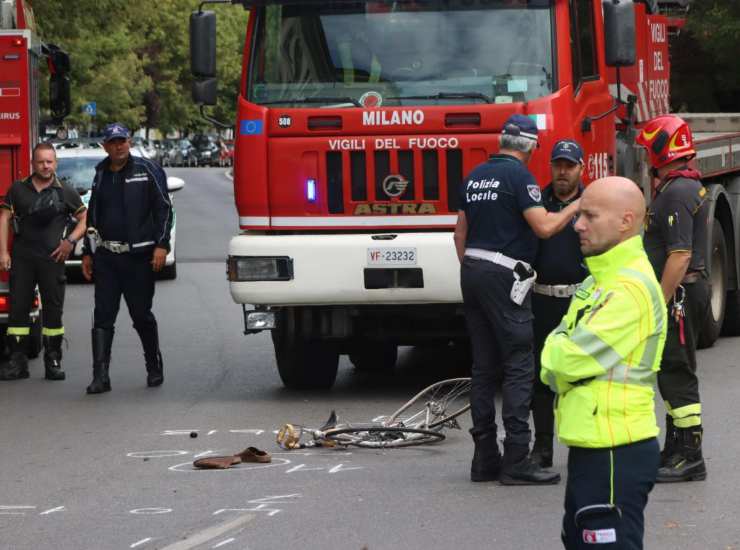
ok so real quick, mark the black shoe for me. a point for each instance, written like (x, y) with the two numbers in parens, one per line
(102, 339)
(687, 462)
(671, 439)
(149, 336)
(486, 465)
(53, 358)
(155, 372)
(17, 366)
(542, 452)
(526, 472)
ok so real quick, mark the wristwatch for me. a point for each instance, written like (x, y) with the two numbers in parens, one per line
(71, 241)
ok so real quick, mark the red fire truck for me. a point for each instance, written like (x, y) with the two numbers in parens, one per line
(21, 51)
(358, 120)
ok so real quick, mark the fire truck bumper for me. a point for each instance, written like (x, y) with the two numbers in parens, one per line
(390, 268)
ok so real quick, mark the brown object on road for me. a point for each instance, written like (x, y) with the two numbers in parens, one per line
(250, 454)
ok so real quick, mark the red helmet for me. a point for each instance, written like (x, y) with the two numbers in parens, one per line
(667, 138)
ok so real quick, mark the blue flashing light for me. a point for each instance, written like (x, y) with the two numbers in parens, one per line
(311, 190)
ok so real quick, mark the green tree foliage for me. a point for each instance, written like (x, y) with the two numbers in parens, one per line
(706, 66)
(133, 59)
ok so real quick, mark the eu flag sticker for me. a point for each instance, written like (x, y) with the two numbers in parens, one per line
(250, 127)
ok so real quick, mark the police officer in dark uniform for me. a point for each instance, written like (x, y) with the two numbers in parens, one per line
(41, 208)
(500, 218)
(675, 238)
(560, 269)
(130, 218)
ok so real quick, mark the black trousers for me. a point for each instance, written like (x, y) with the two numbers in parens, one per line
(501, 339)
(548, 312)
(124, 274)
(621, 477)
(677, 380)
(25, 274)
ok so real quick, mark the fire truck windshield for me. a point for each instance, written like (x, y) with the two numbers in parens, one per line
(435, 52)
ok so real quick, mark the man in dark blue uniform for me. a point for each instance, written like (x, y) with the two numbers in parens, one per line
(560, 268)
(500, 219)
(130, 218)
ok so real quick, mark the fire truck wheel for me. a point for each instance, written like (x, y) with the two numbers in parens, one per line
(378, 357)
(717, 264)
(302, 363)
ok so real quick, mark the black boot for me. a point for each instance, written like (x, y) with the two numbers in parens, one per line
(102, 339)
(16, 368)
(671, 437)
(518, 468)
(486, 464)
(53, 357)
(542, 450)
(687, 462)
(154, 367)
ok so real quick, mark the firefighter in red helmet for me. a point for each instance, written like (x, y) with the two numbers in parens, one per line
(675, 237)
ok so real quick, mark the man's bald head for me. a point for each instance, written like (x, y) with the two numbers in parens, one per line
(612, 211)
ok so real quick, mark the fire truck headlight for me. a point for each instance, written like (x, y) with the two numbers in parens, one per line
(260, 320)
(259, 268)
(311, 190)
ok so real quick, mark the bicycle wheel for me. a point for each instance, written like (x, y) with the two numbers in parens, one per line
(434, 406)
(379, 437)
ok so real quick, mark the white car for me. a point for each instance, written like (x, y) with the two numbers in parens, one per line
(76, 166)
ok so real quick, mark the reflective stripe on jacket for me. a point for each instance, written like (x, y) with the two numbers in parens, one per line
(603, 358)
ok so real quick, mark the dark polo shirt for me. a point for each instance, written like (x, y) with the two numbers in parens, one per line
(39, 240)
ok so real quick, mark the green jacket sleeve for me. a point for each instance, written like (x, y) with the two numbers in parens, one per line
(593, 339)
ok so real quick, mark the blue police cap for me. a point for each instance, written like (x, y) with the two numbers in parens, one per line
(520, 125)
(569, 150)
(115, 131)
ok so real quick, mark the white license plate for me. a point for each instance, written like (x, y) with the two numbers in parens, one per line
(391, 256)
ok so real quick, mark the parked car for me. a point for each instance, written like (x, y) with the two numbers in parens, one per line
(76, 166)
(207, 150)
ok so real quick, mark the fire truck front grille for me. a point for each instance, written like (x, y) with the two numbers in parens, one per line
(422, 168)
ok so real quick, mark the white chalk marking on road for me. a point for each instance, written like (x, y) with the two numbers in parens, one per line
(140, 542)
(52, 510)
(156, 454)
(247, 431)
(302, 468)
(275, 499)
(178, 432)
(205, 453)
(153, 511)
(224, 543)
(9, 510)
(209, 534)
(212, 432)
(343, 468)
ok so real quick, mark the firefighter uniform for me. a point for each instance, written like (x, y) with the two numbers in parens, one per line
(41, 220)
(500, 247)
(677, 224)
(602, 361)
(560, 269)
(131, 213)
(677, 221)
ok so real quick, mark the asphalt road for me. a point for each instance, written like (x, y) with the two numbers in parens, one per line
(114, 470)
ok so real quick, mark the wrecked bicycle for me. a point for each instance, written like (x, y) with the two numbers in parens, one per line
(420, 421)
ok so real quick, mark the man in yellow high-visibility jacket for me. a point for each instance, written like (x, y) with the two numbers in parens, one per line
(602, 362)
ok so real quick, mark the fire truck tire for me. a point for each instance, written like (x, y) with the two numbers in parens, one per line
(379, 357)
(302, 363)
(731, 326)
(717, 264)
(35, 341)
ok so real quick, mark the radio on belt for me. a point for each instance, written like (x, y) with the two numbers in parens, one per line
(524, 278)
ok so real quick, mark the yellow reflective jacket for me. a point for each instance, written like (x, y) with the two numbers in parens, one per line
(603, 358)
